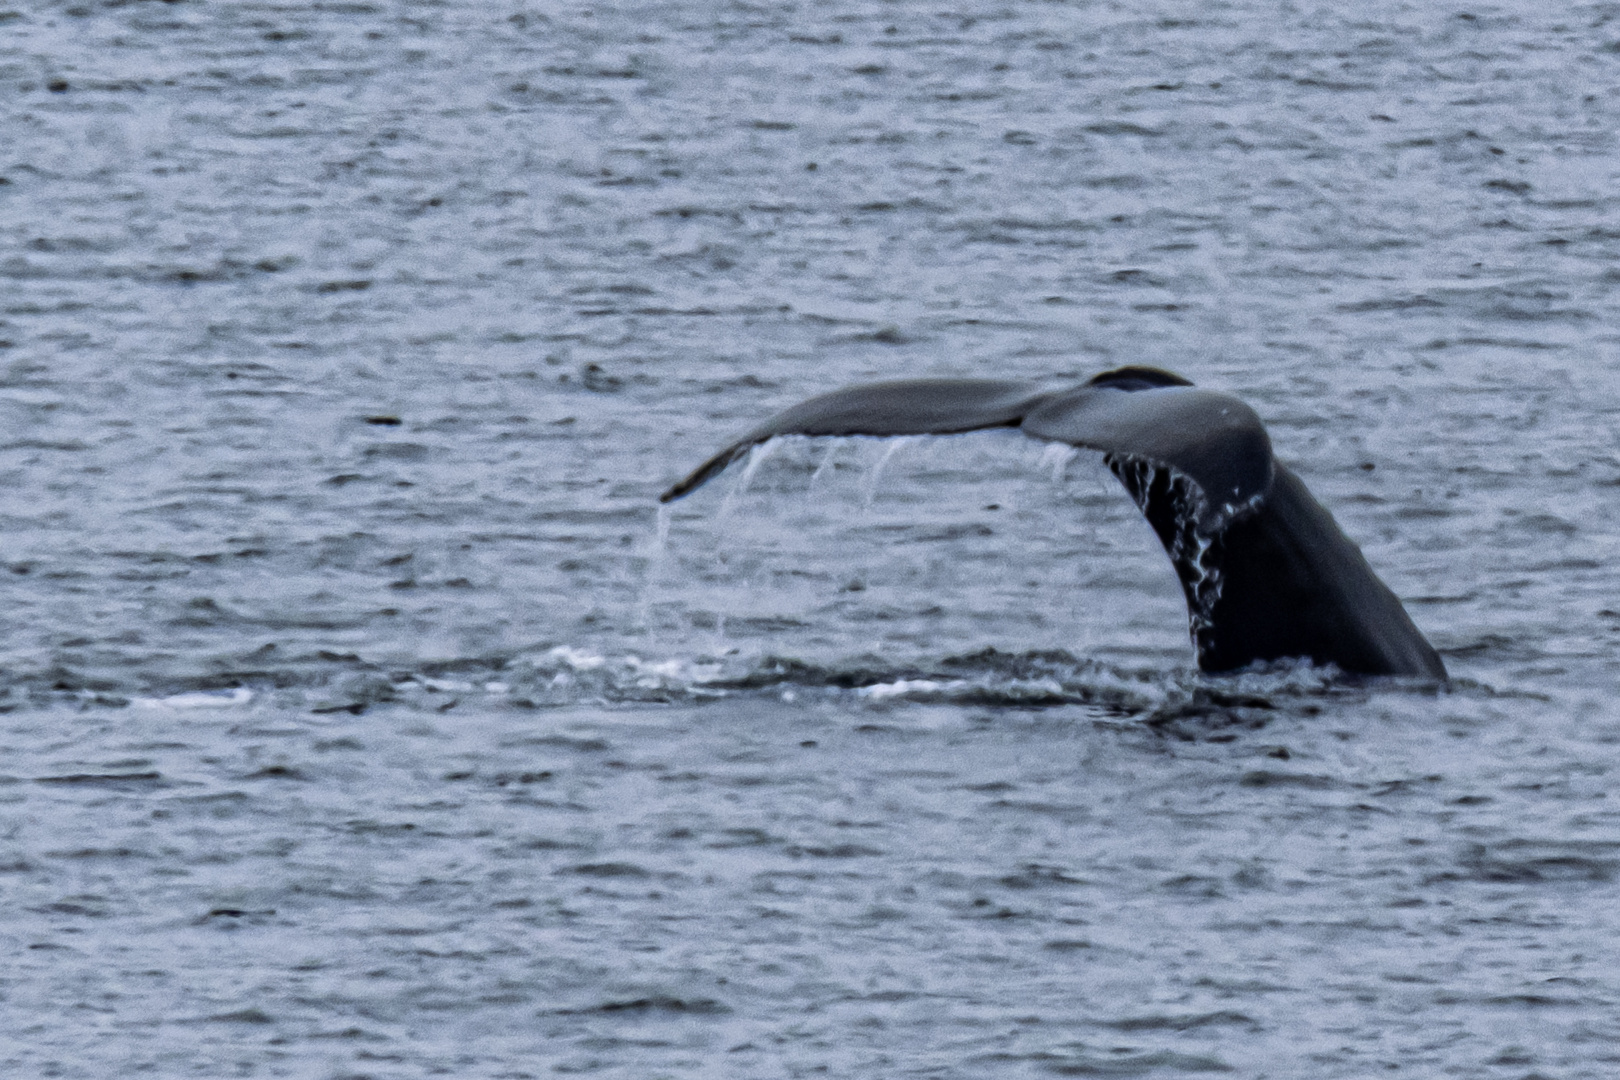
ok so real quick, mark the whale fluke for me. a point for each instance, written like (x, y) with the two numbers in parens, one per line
(1266, 571)
(903, 407)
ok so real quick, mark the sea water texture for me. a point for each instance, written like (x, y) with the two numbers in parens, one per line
(364, 718)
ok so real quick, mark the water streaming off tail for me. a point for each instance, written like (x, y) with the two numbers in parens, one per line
(891, 448)
(986, 540)
(657, 553)
(1173, 498)
(742, 477)
(1056, 457)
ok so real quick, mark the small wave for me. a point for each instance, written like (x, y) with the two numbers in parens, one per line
(1178, 702)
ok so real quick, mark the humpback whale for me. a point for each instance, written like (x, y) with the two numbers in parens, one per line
(1266, 571)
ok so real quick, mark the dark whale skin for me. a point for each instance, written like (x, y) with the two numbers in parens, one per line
(1296, 586)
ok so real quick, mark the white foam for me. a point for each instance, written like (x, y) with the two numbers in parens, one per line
(578, 659)
(198, 699)
(690, 672)
(902, 687)
(454, 686)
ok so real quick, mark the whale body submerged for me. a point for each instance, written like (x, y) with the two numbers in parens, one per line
(1267, 573)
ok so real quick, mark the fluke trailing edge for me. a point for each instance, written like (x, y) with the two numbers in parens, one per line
(1267, 573)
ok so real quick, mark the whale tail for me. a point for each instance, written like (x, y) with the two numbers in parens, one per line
(904, 407)
(1266, 571)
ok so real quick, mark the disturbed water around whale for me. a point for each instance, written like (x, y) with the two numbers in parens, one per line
(363, 717)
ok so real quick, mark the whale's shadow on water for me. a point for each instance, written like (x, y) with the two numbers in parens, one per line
(1267, 574)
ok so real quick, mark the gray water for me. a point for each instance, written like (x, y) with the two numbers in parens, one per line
(362, 717)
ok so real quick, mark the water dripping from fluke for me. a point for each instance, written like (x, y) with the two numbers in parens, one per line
(875, 477)
(656, 556)
(757, 456)
(1056, 457)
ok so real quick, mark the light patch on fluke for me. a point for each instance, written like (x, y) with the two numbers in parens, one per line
(1194, 552)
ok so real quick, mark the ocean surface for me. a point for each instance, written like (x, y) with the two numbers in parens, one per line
(362, 714)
